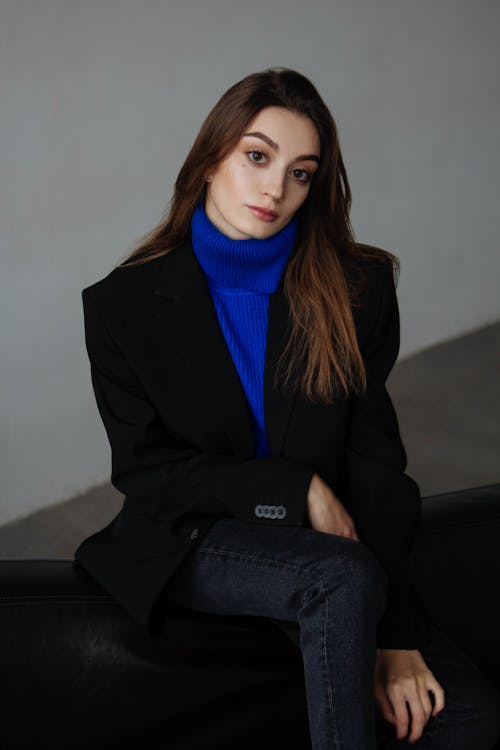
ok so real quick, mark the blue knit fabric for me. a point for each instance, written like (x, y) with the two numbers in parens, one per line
(241, 274)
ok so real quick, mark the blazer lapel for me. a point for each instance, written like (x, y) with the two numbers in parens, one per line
(187, 315)
(186, 312)
(278, 405)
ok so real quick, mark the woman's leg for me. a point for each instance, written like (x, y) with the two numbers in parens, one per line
(332, 586)
(470, 719)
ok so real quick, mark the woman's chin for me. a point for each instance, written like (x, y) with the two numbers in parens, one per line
(263, 231)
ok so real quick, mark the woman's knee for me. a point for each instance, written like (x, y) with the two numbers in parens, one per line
(491, 718)
(362, 575)
(471, 716)
(476, 725)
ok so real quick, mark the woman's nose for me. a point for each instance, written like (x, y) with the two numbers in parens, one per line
(274, 186)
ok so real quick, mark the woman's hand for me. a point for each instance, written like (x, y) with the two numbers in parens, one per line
(401, 677)
(326, 512)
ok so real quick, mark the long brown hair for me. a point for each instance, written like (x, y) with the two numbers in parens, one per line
(322, 349)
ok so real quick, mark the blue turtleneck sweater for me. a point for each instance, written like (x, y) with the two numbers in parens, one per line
(241, 274)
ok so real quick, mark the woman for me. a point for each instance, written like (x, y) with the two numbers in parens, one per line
(239, 358)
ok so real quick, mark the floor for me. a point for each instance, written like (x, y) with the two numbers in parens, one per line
(448, 402)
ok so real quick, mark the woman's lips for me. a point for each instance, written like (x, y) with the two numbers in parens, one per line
(263, 213)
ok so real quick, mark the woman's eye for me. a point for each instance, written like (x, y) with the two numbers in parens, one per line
(257, 157)
(302, 175)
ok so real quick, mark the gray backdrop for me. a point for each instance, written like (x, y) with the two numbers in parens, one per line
(100, 101)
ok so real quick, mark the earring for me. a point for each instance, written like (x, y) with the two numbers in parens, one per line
(209, 178)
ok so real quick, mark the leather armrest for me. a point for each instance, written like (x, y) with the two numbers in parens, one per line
(77, 672)
(456, 569)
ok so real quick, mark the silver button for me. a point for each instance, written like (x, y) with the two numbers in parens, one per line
(270, 511)
(194, 534)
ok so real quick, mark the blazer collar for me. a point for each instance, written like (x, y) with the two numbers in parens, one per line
(183, 301)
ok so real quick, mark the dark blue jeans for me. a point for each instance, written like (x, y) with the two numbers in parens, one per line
(328, 593)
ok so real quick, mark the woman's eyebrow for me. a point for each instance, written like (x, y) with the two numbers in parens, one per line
(275, 147)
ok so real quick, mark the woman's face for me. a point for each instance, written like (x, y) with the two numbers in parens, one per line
(259, 186)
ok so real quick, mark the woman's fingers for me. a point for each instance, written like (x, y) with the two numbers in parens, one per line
(326, 512)
(408, 708)
(341, 523)
(409, 684)
(419, 716)
(438, 693)
(412, 704)
(385, 705)
(400, 712)
(353, 534)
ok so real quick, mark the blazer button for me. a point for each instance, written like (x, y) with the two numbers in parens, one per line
(281, 511)
(259, 511)
(194, 534)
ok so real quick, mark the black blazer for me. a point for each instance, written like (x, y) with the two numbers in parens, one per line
(182, 442)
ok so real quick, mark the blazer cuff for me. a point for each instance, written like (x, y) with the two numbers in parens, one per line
(267, 490)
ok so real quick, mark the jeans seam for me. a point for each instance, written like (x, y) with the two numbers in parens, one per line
(327, 669)
(311, 574)
(315, 577)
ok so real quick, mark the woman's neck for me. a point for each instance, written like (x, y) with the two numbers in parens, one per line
(250, 264)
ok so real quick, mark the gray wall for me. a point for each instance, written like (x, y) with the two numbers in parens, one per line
(100, 101)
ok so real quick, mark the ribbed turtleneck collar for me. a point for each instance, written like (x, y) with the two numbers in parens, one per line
(251, 264)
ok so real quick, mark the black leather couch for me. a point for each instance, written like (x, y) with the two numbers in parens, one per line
(76, 672)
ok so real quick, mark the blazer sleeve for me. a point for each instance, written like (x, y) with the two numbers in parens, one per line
(384, 502)
(165, 477)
